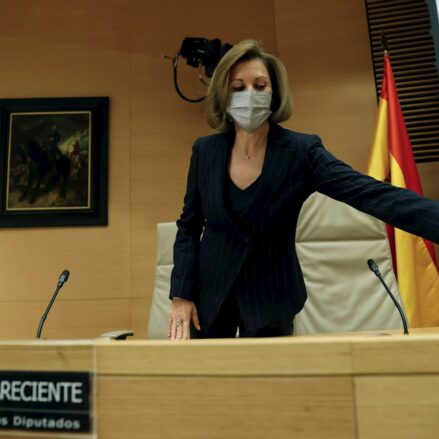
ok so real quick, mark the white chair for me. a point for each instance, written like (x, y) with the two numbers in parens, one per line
(334, 242)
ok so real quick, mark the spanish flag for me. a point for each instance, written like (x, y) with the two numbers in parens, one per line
(392, 161)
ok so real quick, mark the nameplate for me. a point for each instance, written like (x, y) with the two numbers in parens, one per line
(45, 401)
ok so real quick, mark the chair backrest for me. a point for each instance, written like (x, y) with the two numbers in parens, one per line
(333, 242)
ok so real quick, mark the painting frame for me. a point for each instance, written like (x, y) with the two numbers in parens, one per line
(54, 162)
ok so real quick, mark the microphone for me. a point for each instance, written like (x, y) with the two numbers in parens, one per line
(63, 278)
(374, 268)
(61, 281)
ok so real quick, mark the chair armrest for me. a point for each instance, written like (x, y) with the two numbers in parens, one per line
(121, 334)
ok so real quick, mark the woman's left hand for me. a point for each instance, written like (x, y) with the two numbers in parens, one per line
(180, 315)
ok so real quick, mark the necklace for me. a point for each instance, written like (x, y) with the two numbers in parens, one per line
(247, 156)
(254, 147)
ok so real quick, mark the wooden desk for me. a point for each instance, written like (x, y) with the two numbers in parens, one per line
(333, 386)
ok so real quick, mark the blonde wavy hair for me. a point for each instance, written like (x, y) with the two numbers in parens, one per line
(217, 95)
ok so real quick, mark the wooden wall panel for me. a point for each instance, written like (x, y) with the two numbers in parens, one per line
(325, 48)
(429, 175)
(62, 48)
(68, 319)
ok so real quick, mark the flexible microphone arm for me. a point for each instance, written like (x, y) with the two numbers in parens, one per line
(177, 88)
(374, 268)
(61, 281)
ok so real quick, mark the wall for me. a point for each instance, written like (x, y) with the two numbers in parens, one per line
(325, 48)
(51, 48)
(113, 48)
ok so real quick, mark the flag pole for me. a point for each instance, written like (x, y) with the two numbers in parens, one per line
(384, 41)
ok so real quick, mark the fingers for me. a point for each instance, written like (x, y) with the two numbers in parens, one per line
(173, 329)
(185, 327)
(179, 318)
(179, 330)
(195, 319)
(169, 324)
(174, 323)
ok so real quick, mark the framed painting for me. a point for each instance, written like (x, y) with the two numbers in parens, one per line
(54, 162)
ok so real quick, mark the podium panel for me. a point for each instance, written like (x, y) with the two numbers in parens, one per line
(333, 386)
(403, 406)
(41, 361)
(226, 407)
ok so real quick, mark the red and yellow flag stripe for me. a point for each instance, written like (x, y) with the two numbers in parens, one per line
(392, 160)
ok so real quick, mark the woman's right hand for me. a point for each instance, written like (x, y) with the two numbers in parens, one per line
(180, 315)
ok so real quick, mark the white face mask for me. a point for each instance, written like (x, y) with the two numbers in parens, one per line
(249, 109)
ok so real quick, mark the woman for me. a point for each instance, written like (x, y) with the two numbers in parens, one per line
(246, 186)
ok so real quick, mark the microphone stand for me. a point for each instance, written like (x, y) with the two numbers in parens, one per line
(62, 280)
(374, 267)
(43, 319)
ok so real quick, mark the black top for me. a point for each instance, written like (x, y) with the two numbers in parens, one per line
(238, 200)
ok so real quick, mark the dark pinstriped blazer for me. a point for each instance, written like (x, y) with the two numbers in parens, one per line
(257, 255)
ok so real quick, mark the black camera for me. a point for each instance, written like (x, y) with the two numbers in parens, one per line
(203, 51)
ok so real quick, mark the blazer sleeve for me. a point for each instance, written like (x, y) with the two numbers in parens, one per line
(402, 208)
(189, 229)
